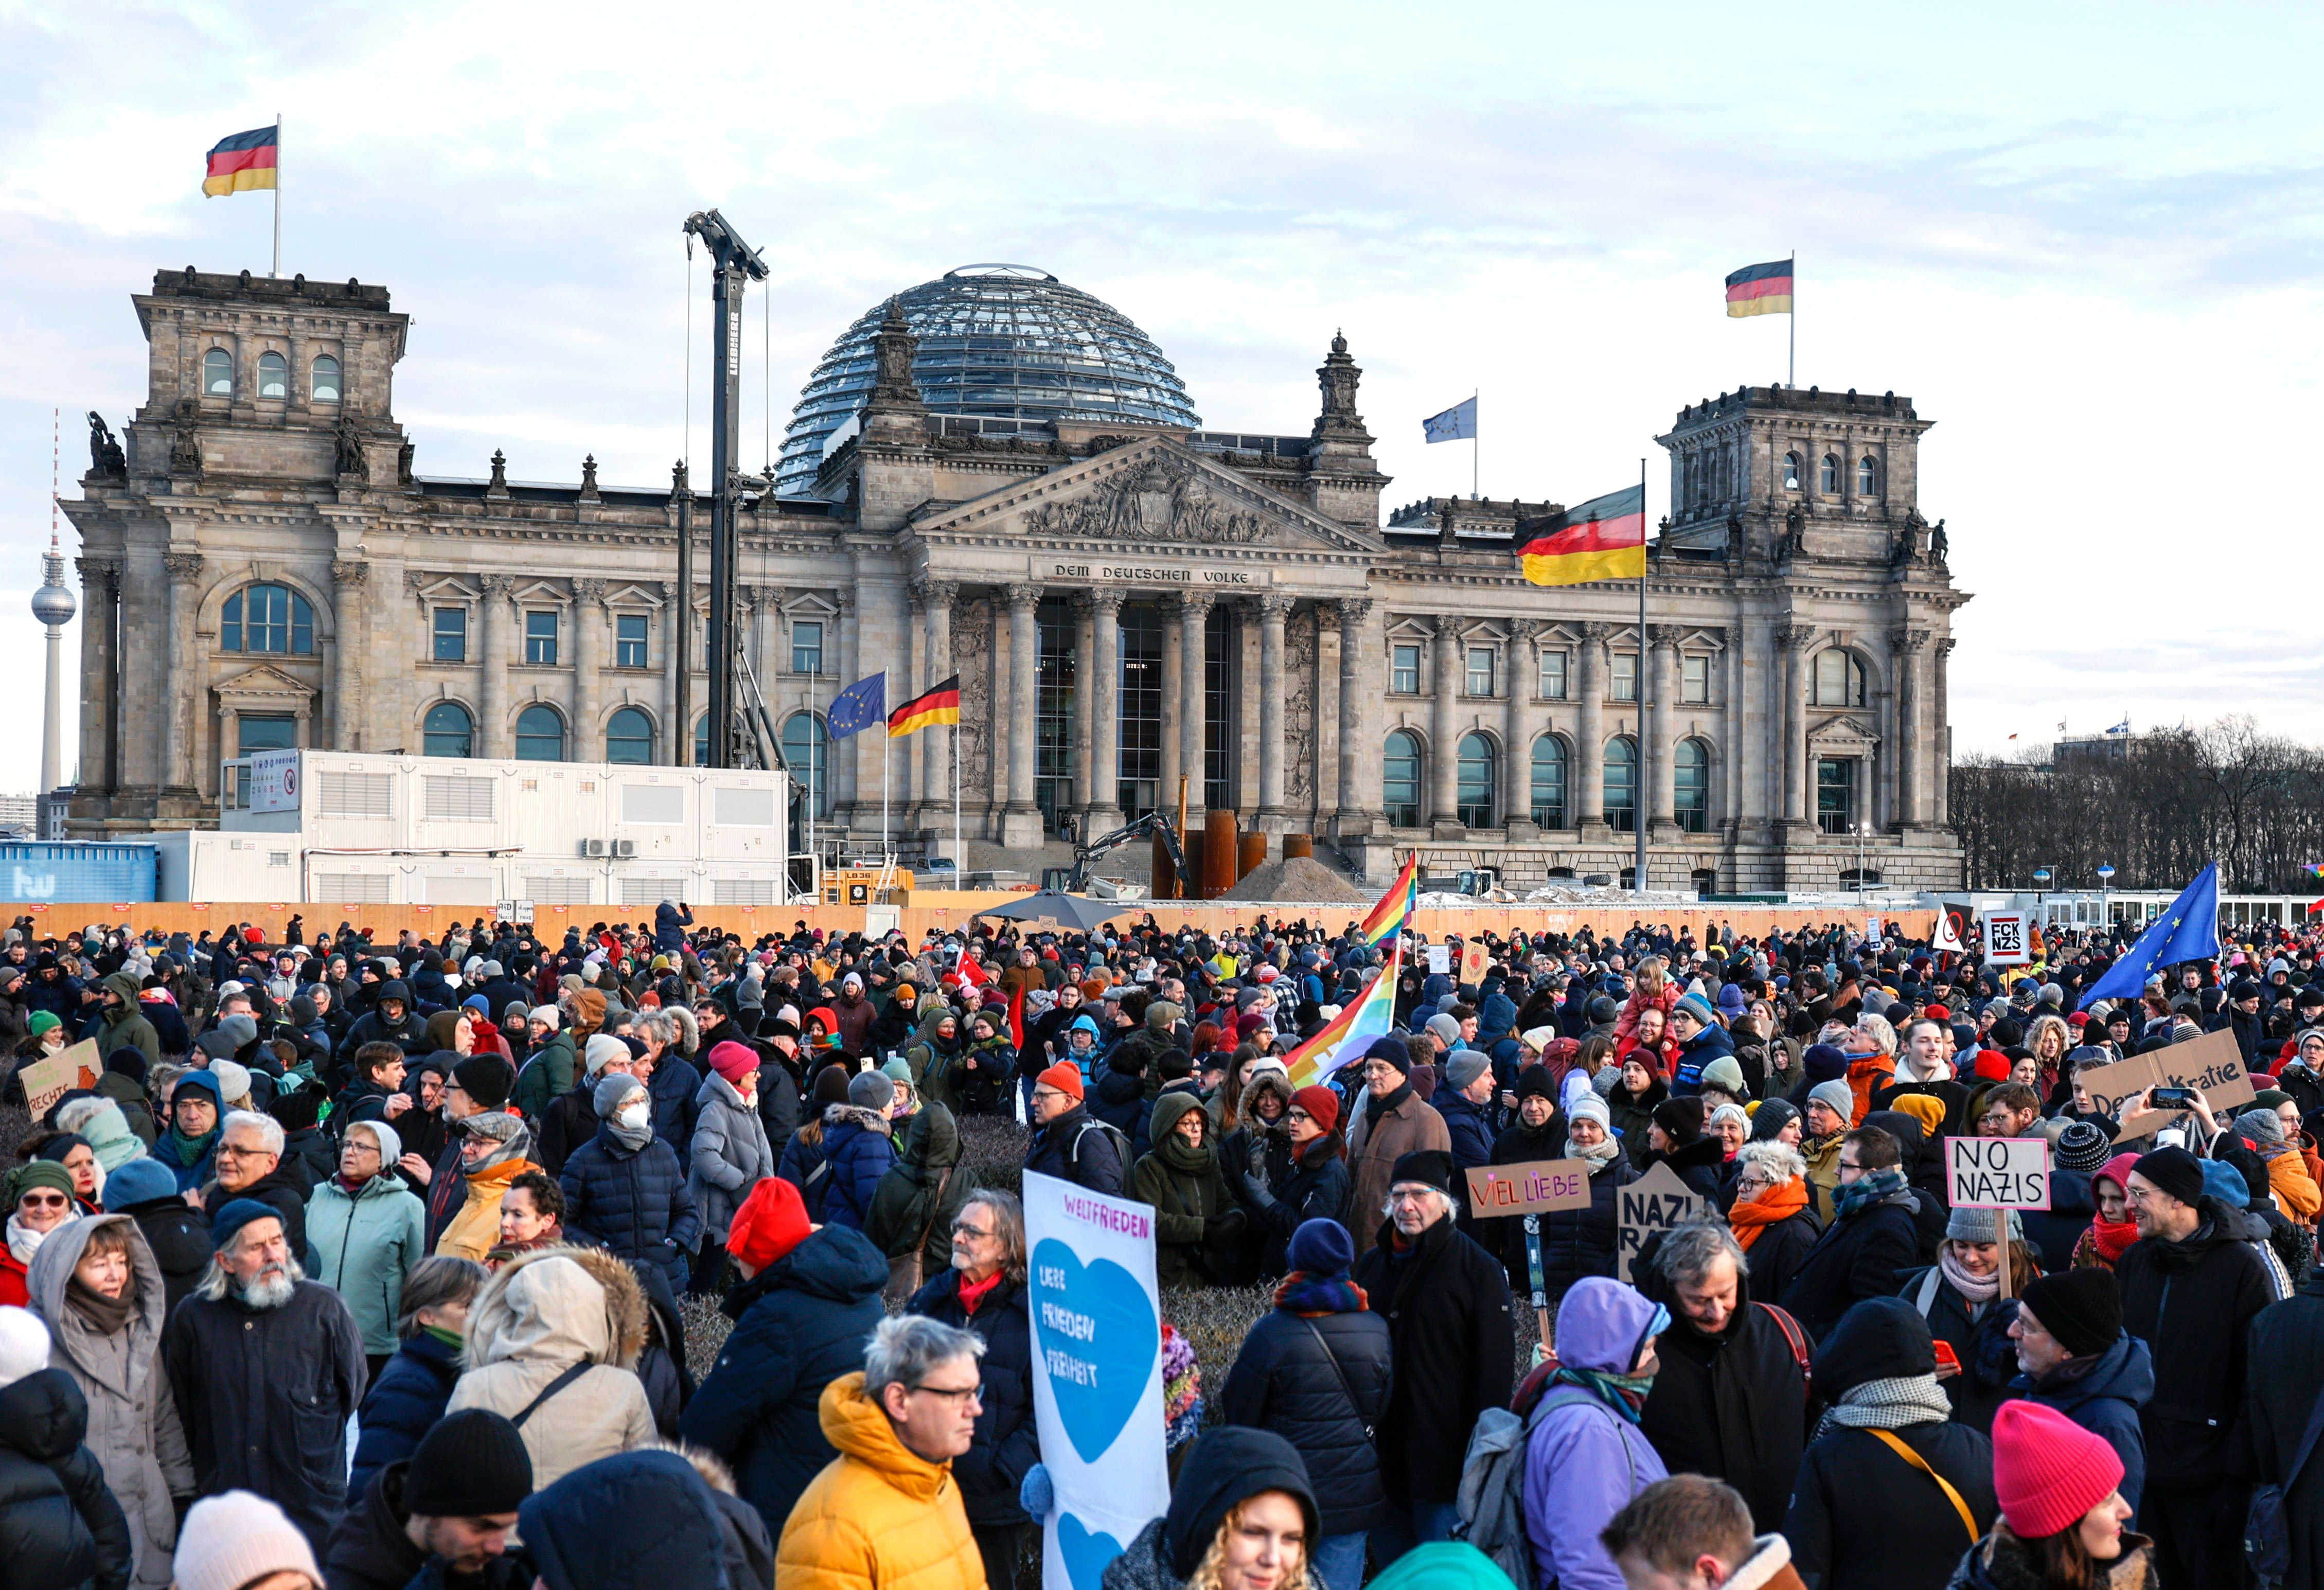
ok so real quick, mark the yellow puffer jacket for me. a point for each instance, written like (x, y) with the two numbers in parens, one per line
(879, 1514)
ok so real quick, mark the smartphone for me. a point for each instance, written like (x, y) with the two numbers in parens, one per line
(2175, 1098)
(1948, 1361)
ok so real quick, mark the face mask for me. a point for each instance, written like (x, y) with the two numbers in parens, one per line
(631, 1115)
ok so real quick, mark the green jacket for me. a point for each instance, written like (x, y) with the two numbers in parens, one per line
(906, 1202)
(363, 1244)
(1185, 1189)
(548, 1075)
(124, 1026)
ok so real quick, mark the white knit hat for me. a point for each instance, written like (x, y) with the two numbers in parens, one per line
(231, 1539)
(600, 1050)
(23, 1344)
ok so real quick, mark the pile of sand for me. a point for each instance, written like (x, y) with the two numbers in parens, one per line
(1301, 880)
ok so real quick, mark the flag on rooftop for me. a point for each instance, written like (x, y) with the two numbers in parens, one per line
(242, 162)
(1760, 289)
(1605, 538)
(1456, 424)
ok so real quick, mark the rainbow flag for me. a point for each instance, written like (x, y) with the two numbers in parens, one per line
(242, 162)
(2314, 869)
(1370, 1017)
(1388, 916)
(1605, 538)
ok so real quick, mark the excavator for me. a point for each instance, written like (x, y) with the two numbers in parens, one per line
(1075, 879)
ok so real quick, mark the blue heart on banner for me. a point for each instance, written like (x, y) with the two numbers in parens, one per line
(1086, 1551)
(1097, 1337)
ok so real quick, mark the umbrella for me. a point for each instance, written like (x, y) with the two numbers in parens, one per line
(1077, 911)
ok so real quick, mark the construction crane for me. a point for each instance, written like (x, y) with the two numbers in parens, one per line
(1074, 878)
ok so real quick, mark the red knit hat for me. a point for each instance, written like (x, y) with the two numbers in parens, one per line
(1065, 1076)
(770, 1223)
(2047, 1470)
(732, 1061)
(1992, 1066)
(1321, 1105)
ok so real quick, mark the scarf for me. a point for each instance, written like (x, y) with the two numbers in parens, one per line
(1865, 1191)
(1378, 1105)
(1309, 1296)
(1974, 1290)
(1599, 1155)
(24, 1242)
(186, 1152)
(110, 1316)
(1888, 1404)
(1625, 1394)
(450, 1338)
(1773, 1205)
(2113, 1239)
(973, 1292)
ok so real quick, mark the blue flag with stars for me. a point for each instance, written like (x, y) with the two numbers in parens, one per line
(859, 706)
(2188, 930)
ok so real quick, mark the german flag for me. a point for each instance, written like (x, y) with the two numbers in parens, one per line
(1605, 538)
(1760, 289)
(940, 705)
(242, 162)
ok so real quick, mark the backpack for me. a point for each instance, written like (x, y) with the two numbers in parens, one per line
(1113, 1134)
(1493, 1482)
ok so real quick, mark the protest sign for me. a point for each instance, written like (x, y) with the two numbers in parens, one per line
(47, 1081)
(1472, 961)
(2212, 1064)
(1998, 1172)
(1440, 960)
(1536, 1187)
(2008, 939)
(1097, 1374)
(1655, 1201)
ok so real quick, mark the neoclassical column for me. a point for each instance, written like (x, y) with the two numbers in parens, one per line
(1940, 807)
(492, 649)
(937, 597)
(351, 641)
(1905, 649)
(100, 584)
(677, 738)
(1444, 759)
(1523, 672)
(1359, 740)
(1589, 729)
(1662, 805)
(1272, 611)
(846, 771)
(588, 669)
(1793, 641)
(1174, 628)
(1105, 693)
(1194, 703)
(1084, 725)
(180, 679)
(229, 733)
(902, 761)
(1024, 711)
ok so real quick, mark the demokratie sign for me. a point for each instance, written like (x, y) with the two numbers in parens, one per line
(2212, 1064)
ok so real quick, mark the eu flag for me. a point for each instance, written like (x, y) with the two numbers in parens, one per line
(2188, 930)
(859, 706)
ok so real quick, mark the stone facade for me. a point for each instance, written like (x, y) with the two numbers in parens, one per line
(1154, 600)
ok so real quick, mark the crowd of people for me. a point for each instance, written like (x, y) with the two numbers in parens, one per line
(363, 1263)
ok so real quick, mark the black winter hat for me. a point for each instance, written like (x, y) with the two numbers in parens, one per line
(2174, 1171)
(487, 1079)
(1880, 1339)
(2082, 1308)
(1431, 1165)
(1534, 1081)
(1223, 1469)
(471, 1464)
(1771, 1118)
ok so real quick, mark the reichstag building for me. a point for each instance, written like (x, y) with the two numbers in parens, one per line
(997, 475)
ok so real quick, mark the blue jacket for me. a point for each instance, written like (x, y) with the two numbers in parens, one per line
(800, 1324)
(633, 1203)
(798, 1164)
(860, 1153)
(402, 1405)
(669, 927)
(1006, 1441)
(1700, 1051)
(669, 1095)
(2103, 1398)
(672, 1529)
(1472, 1134)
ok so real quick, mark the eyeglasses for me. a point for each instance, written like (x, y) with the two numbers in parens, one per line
(1297, 1114)
(958, 1396)
(975, 1234)
(53, 1201)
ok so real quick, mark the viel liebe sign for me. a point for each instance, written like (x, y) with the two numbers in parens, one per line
(1998, 1172)
(1537, 1187)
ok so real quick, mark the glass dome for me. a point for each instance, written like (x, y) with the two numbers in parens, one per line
(1004, 343)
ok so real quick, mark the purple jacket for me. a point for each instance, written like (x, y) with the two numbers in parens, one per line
(1584, 1461)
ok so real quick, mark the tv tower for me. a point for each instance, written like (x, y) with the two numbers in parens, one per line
(54, 606)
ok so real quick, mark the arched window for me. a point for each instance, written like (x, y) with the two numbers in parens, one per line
(1868, 476)
(1691, 782)
(448, 730)
(273, 375)
(1838, 679)
(1400, 780)
(629, 737)
(1622, 784)
(1829, 482)
(218, 373)
(327, 379)
(1549, 782)
(267, 618)
(1791, 472)
(539, 734)
(806, 747)
(1472, 801)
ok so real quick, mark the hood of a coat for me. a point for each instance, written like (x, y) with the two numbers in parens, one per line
(838, 1263)
(44, 1415)
(1880, 1339)
(670, 1532)
(125, 985)
(1269, 1080)
(1227, 1466)
(859, 1427)
(2125, 1371)
(835, 1115)
(1602, 1326)
(559, 1305)
(61, 1253)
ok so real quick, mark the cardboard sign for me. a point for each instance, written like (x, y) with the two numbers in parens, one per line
(1998, 1172)
(1657, 1201)
(1472, 961)
(47, 1081)
(2212, 1064)
(1439, 959)
(1536, 1187)
(2008, 939)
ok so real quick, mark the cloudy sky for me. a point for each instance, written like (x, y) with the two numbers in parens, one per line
(2082, 238)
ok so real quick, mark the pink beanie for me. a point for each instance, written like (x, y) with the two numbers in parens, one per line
(2047, 1470)
(732, 1061)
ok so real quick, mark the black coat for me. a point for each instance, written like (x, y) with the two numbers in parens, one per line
(1006, 1441)
(408, 1398)
(1505, 1234)
(1733, 1406)
(283, 1189)
(1780, 1251)
(1282, 1381)
(1088, 1158)
(1860, 1255)
(1315, 1188)
(569, 1121)
(264, 1396)
(633, 1201)
(60, 1526)
(180, 1236)
(369, 1549)
(2192, 1303)
(1575, 1243)
(800, 1324)
(1863, 1519)
(2287, 1377)
(1988, 1363)
(1447, 1307)
(1701, 1164)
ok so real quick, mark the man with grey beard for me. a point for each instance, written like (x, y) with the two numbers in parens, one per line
(266, 1368)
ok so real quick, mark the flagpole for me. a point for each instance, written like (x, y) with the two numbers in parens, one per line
(959, 856)
(1795, 372)
(278, 195)
(887, 745)
(1476, 444)
(1638, 802)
